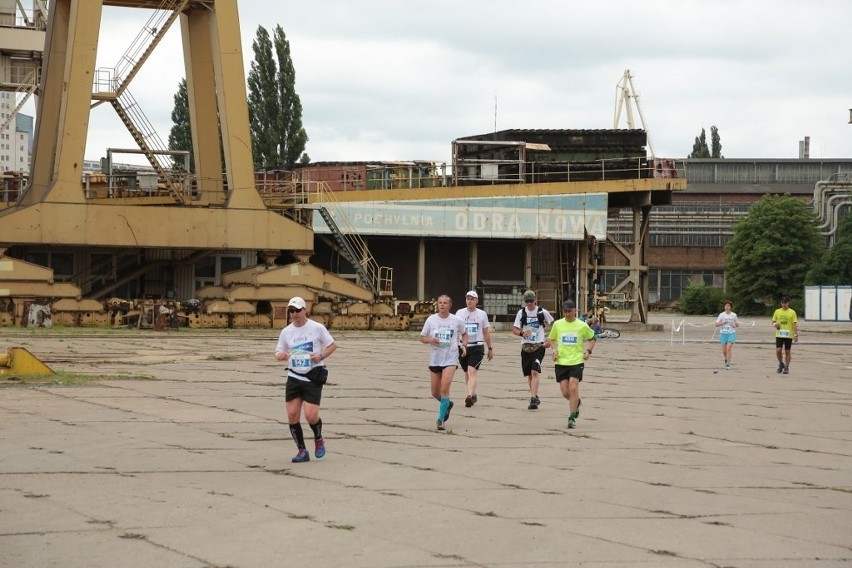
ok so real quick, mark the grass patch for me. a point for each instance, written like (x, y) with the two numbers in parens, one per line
(63, 378)
(226, 357)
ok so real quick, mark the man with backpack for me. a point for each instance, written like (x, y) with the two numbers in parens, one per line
(531, 324)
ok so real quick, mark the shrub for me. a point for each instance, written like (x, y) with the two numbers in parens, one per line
(701, 299)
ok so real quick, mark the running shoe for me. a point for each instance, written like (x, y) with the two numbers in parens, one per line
(726, 362)
(572, 422)
(534, 402)
(780, 368)
(319, 450)
(474, 398)
(579, 402)
(468, 401)
(440, 425)
(786, 370)
(302, 456)
(727, 366)
(447, 415)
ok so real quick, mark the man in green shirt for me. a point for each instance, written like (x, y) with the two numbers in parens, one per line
(570, 355)
(786, 326)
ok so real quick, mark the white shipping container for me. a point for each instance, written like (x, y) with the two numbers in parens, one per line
(828, 303)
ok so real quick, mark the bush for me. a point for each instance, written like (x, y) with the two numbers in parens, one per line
(756, 307)
(701, 299)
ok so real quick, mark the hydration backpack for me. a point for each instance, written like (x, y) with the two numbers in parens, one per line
(540, 315)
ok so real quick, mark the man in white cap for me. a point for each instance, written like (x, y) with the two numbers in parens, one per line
(530, 324)
(478, 338)
(304, 345)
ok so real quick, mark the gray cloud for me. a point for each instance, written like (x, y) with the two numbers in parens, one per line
(396, 81)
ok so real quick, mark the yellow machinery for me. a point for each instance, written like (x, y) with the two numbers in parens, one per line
(20, 362)
(177, 215)
(170, 218)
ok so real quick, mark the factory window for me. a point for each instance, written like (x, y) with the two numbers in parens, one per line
(62, 265)
(206, 268)
(230, 263)
(39, 258)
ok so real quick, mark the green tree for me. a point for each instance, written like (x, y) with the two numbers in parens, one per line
(715, 143)
(699, 148)
(275, 109)
(180, 136)
(836, 268)
(771, 251)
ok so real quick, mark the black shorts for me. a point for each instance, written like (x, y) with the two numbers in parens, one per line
(786, 342)
(306, 390)
(473, 357)
(528, 358)
(569, 372)
(440, 369)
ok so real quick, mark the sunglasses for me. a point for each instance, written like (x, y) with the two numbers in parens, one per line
(530, 301)
(294, 310)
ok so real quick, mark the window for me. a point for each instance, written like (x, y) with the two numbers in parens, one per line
(230, 263)
(670, 284)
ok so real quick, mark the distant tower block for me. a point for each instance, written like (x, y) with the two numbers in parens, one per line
(805, 148)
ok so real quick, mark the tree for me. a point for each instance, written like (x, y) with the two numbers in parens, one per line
(836, 267)
(715, 143)
(700, 148)
(180, 136)
(275, 110)
(771, 251)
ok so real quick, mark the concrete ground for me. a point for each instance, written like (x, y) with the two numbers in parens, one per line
(179, 455)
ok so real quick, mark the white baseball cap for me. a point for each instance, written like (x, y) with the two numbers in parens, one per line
(472, 294)
(296, 302)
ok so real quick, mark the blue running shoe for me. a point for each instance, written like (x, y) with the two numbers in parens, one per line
(319, 450)
(302, 456)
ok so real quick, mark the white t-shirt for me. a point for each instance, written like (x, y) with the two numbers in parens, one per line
(475, 323)
(728, 321)
(449, 331)
(300, 342)
(532, 324)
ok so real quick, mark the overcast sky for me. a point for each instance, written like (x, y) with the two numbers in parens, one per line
(384, 80)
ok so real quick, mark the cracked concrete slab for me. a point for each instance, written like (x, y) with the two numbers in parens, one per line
(178, 454)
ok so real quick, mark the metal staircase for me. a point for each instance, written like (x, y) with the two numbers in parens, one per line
(145, 42)
(27, 88)
(116, 93)
(378, 279)
(149, 142)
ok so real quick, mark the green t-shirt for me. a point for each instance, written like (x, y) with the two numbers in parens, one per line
(786, 318)
(569, 337)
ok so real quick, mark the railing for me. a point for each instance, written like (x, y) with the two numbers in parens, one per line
(486, 171)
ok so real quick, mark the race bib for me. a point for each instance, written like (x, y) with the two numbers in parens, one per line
(784, 333)
(471, 328)
(568, 339)
(444, 337)
(727, 329)
(300, 357)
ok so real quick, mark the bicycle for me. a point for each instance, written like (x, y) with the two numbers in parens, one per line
(608, 334)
